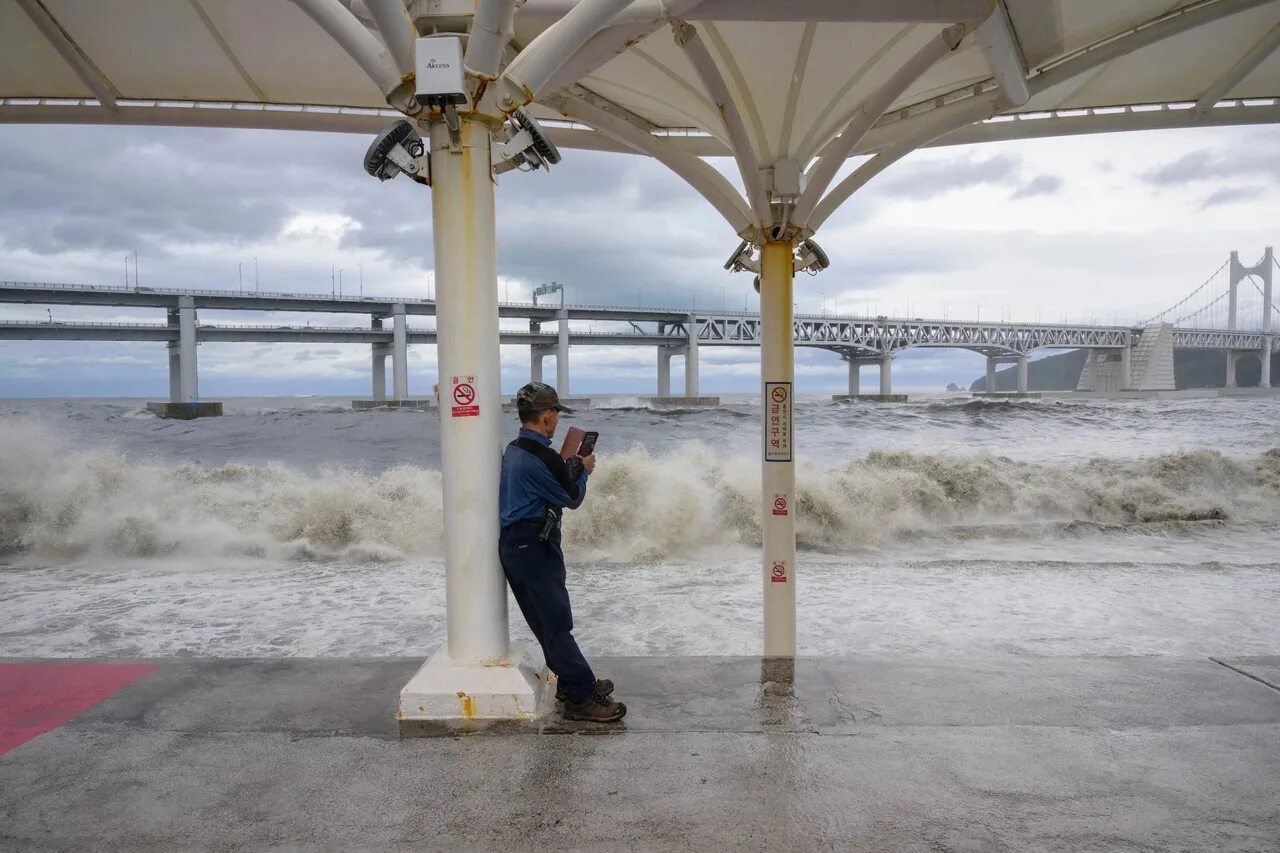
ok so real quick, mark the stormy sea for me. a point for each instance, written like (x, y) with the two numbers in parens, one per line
(942, 526)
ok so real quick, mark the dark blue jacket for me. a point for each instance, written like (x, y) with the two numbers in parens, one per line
(528, 485)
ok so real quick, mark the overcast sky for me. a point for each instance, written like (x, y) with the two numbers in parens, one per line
(1113, 227)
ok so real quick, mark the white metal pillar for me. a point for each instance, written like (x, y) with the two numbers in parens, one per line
(991, 374)
(188, 383)
(1022, 374)
(777, 510)
(855, 377)
(1231, 369)
(476, 674)
(664, 371)
(400, 345)
(886, 375)
(470, 445)
(562, 355)
(691, 359)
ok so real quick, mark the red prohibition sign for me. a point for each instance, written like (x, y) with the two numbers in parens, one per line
(779, 395)
(464, 394)
(779, 570)
(779, 503)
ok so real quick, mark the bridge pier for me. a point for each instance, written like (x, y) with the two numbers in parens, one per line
(400, 354)
(855, 377)
(184, 390)
(175, 361)
(562, 355)
(1265, 381)
(188, 382)
(691, 360)
(1022, 374)
(378, 352)
(990, 385)
(1232, 358)
(379, 372)
(886, 375)
(664, 370)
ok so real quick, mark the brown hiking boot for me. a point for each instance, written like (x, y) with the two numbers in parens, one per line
(603, 686)
(597, 709)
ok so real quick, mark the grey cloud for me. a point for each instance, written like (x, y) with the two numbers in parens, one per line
(932, 178)
(1260, 160)
(1039, 185)
(1230, 195)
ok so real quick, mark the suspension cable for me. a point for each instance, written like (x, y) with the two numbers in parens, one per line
(1189, 296)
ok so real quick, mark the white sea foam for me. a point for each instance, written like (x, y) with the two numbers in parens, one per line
(63, 503)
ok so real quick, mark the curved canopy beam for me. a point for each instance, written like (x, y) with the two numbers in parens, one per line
(491, 30)
(763, 11)
(397, 30)
(713, 83)
(965, 114)
(699, 174)
(869, 112)
(527, 76)
(373, 58)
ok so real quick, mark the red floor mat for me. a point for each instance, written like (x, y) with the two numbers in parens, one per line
(38, 697)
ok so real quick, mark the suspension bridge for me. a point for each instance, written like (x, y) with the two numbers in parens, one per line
(1231, 311)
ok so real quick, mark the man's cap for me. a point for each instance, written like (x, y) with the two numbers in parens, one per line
(537, 396)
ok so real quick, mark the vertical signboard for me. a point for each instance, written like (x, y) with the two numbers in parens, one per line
(777, 438)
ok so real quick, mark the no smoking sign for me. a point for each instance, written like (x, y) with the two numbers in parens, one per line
(464, 397)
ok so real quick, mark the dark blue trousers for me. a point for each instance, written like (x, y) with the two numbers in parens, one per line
(535, 572)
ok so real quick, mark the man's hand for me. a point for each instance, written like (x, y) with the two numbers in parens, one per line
(589, 462)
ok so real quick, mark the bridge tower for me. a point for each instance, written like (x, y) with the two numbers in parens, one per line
(1265, 270)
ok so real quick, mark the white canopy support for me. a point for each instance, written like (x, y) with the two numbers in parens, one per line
(1176, 22)
(699, 174)
(739, 140)
(1239, 71)
(526, 77)
(230, 54)
(999, 44)
(965, 113)
(615, 39)
(867, 114)
(373, 58)
(763, 11)
(77, 59)
(398, 32)
(491, 31)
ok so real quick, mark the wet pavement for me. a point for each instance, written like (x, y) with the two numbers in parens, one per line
(847, 753)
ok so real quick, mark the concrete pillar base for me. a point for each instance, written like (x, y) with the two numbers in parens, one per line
(681, 402)
(874, 398)
(446, 695)
(412, 403)
(186, 411)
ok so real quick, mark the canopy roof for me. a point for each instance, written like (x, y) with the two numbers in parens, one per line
(772, 82)
(248, 61)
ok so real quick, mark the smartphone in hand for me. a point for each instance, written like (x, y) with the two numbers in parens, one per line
(588, 445)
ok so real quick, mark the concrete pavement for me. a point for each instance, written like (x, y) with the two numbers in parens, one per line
(850, 753)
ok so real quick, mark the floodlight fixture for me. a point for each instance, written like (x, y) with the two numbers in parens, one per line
(527, 146)
(398, 150)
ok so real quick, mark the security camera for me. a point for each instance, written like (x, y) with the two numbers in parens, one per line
(527, 146)
(398, 149)
(810, 257)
